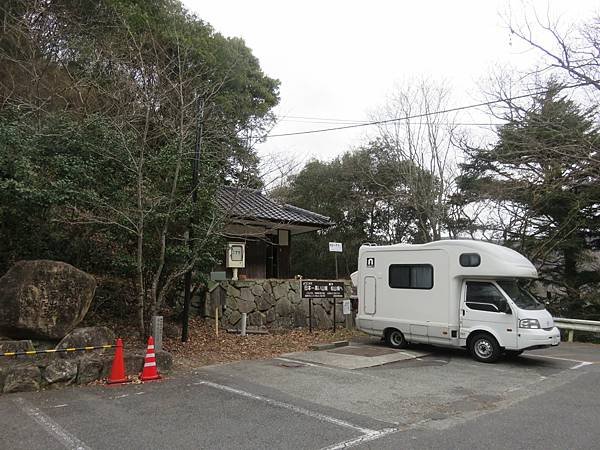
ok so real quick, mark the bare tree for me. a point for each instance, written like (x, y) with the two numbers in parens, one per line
(571, 49)
(423, 137)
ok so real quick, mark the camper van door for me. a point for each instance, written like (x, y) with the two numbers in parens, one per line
(484, 307)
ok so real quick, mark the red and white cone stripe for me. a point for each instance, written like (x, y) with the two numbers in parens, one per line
(150, 360)
(150, 372)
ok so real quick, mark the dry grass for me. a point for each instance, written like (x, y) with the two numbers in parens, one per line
(204, 348)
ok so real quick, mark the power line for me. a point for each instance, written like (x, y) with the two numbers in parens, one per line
(330, 122)
(325, 120)
(415, 123)
(321, 119)
(418, 116)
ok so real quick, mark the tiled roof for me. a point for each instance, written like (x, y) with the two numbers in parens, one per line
(251, 204)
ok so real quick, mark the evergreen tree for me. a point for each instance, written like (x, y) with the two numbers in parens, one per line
(542, 164)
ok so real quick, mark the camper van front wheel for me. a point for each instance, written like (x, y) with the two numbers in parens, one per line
(484, 347)
(395, 339)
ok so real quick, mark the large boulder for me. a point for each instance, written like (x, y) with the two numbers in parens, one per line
(134, 362)
(85, 337)
(60, 370)
(164, 361)
(90, 369)
(5, 367)
(44, 299)
(16, 346)
(19, 378)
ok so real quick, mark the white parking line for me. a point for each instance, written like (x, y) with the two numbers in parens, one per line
(367, 433)
(557, 358)
(576, 366)
(581, 364)
(362, 439)
(294, 408)
(51, 427)
(304, 363)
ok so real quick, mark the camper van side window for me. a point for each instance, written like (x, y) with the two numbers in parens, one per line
(411, 276)
(483, 296)
(470, 259)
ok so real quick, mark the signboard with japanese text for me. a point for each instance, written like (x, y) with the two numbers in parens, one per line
(322, 289)
(335, 247)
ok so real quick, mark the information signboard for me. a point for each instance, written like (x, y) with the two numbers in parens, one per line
(335, 247)
(322, 289)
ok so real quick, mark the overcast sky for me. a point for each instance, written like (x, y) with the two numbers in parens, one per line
(340, 59)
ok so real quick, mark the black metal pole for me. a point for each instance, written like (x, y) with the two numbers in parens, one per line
(187, 299)
(334, 301)
(310, 315)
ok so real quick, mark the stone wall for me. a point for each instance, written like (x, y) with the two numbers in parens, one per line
(50, 370)
(273, 303)
(32, 373)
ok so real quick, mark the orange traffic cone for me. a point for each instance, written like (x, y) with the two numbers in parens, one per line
(150, 372)
(117, 372)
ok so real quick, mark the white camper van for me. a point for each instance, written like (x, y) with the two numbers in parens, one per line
(455, 293)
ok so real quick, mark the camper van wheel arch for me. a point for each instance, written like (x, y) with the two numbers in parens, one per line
(484, 347)
(394, 338)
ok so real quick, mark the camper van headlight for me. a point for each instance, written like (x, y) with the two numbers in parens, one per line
(529, 323)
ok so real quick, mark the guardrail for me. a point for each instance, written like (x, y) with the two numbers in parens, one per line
(576, 324)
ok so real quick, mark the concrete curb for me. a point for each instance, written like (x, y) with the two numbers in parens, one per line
(329, 345)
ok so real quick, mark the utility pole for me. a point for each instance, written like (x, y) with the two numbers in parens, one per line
(195, 167)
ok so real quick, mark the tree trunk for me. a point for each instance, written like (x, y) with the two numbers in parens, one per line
(570, 273)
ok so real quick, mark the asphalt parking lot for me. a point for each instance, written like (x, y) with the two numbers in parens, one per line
(426, 398)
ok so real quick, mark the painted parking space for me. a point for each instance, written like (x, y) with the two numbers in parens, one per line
(197, 414)
(441, 387)
(286, 403)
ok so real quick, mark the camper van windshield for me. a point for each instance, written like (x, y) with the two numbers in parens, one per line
(519, 295)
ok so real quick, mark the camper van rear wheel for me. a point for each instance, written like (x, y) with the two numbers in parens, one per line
(484, 347)
(395, 338)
